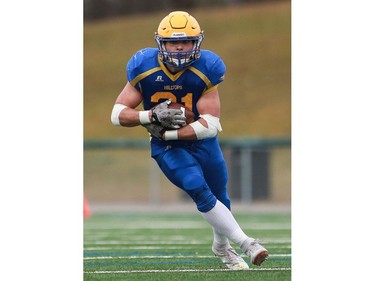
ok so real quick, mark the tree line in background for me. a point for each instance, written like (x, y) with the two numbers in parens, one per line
(100, 9)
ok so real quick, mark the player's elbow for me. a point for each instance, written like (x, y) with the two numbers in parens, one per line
(211, 132)
(213, 126)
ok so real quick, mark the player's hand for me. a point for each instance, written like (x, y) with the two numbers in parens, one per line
(168, 117)
(155, 130)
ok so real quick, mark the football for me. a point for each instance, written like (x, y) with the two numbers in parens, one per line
(186, 111)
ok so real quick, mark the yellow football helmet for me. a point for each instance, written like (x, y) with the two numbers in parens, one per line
(178, 26)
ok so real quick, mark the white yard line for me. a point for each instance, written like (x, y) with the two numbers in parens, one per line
(166, 257)
(173, 247)
(183, 270)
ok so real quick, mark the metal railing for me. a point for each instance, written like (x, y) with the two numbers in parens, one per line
(248, 161)
(224, 143)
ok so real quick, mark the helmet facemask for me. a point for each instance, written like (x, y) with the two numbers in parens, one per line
(179, 59)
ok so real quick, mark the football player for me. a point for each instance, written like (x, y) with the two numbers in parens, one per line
(188, 154)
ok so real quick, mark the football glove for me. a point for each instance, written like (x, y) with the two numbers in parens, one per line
(156, 130)
(167, 117)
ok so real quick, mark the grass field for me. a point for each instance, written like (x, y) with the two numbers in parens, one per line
(149, 246)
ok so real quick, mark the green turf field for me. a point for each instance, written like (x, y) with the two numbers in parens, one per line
(126, 246)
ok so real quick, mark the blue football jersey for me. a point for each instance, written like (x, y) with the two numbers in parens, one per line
(196, 166)
(154, 81)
